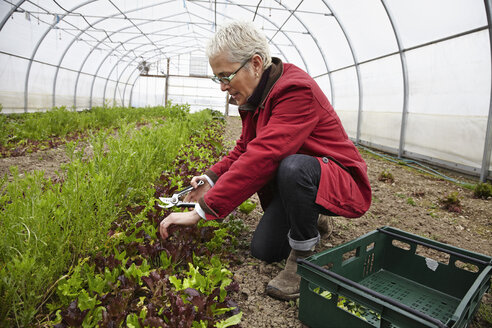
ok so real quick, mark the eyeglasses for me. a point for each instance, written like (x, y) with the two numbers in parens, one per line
(228, 79)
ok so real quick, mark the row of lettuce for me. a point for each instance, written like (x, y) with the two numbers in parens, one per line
(26, 133)
(82, 248)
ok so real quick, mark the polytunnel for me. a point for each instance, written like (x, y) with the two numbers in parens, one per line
(412, 78)
(132, 194)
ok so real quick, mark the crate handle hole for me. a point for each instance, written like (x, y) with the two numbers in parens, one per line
(350, 255)
(432, 254)
(320, 291)
(466, 266)
(345, 303)
(370, 247)
(356, 309)
(400, 244)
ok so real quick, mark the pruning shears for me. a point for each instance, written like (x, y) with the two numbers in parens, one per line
(174, 200)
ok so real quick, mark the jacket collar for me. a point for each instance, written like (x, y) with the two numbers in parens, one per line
(274, 72)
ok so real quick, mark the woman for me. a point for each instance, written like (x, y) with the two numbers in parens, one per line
(293, 151)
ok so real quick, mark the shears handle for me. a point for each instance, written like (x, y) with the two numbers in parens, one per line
(174, 200)
(187, 190)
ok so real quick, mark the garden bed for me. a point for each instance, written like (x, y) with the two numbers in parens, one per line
(81, 247)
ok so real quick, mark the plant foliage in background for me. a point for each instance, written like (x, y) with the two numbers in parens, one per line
(25, 133)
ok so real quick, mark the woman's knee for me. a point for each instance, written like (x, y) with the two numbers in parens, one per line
(291, 164)
(298, 168)
(267, 253)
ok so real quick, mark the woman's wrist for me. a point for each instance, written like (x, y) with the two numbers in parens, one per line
(200, 211)
(209, 180)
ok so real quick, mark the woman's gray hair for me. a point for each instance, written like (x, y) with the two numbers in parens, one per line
(240, 40)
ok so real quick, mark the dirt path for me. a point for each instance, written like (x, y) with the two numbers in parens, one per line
(49, 161)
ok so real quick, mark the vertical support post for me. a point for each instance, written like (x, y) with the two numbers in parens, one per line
(401, 50)
(357, 71)
(131, 91)
(487, 149)
(166, 88)
(227, 105)
(359, 111)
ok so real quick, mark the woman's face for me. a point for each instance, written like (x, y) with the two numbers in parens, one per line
(244, 82)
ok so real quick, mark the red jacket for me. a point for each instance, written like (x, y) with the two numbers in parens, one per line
(294, 117)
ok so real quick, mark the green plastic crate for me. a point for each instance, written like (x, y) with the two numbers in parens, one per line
(391, 278)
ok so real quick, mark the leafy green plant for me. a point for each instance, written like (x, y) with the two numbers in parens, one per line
(213, 277)
(386, 176)
(247, 206)
(142, 292)
(483, 190)
(432, 214)
(452, 202)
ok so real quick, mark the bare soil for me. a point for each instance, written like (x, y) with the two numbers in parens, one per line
(411, 202)
(48, 161)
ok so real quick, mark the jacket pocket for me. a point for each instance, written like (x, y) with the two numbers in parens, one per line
(337, 190)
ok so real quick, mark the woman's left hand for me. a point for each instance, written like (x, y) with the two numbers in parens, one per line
(179, 218)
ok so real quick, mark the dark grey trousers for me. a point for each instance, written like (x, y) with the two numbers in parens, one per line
(290, 220)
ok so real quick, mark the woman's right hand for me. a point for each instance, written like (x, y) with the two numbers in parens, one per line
(198, 191)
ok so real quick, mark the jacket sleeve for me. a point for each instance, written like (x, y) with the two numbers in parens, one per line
(225, 163)
(291, 121)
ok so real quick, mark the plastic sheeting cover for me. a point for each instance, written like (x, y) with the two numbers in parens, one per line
(409, 77)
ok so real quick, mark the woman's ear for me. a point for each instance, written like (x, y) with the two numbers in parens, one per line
(257, 63)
